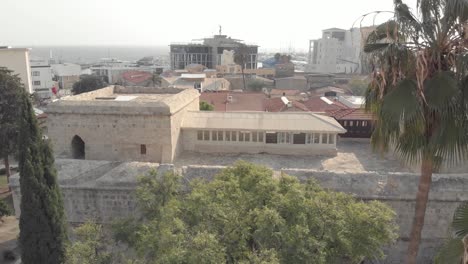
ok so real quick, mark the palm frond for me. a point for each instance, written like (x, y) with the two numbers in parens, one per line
(374, 47)
(410, 145)
(402, 103)
(450, 253)
(449, 141)
(460, 220)
(385, 31)
(456, 9)
(440, 90)
(408, 23)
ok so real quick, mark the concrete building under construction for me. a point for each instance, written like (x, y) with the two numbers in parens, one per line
(208, 52)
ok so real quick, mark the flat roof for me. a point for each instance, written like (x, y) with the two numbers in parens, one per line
(265, 121)
(9, 48)
(121, 100)
(193, 76)
(235, 101)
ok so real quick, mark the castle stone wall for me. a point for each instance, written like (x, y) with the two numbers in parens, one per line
(398, 190)
(112, 137)
(112, 196)
(143, 129)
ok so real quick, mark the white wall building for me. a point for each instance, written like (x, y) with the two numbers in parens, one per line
(338, 51)
(42, 77)
(17, 60)
(67, 74)
(260, 132)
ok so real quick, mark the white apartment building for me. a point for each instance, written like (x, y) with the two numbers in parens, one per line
(338, 51)
(42, 77)
(17, 60)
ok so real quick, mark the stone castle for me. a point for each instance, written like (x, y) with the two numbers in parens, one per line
(106, 138)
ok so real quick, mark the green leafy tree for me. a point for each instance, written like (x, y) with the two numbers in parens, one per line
(245, 215)
(277, 57)
(89, 247)
(256, 85)
(204, 106)
(43, 232)
(156, 79)
(418, 92)
(358, 86)
(88, 83)
(4, 209)
(11, 90)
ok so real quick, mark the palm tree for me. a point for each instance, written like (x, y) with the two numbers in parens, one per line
(419, 91)
(241, 57)
(454, 250)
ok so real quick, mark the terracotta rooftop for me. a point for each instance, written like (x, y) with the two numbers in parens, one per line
(317, 104)
(277, 105)
(239, 101)
(351, 114)
(285, 92)
(136, 76)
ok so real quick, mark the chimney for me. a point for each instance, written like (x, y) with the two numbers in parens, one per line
(286, 101)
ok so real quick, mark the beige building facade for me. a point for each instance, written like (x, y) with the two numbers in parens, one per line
(260, 132)
(17, 60)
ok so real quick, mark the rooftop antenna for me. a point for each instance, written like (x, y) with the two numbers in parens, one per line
(220, 29)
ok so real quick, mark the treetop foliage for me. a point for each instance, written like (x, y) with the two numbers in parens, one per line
(11, 90)
(88, 83)
(245, 215)
(204, 106)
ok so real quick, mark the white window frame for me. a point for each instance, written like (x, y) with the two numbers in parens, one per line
(324, 138)
(206, 135)
(243, 135)
(284, 138)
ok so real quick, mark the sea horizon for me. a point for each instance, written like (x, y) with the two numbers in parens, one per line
(84, 54)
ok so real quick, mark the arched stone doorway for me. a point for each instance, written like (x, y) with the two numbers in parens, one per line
(78, 148)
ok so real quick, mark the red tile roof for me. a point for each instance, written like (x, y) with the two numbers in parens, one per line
(136, 76)
(285, 92)
(316, 104)
(277, 105)
(351, 114)
(241, 101)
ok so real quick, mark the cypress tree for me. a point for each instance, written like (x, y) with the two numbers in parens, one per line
(42, 222)
(11, 89)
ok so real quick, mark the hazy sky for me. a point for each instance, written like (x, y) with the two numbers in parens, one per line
(277, 24)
